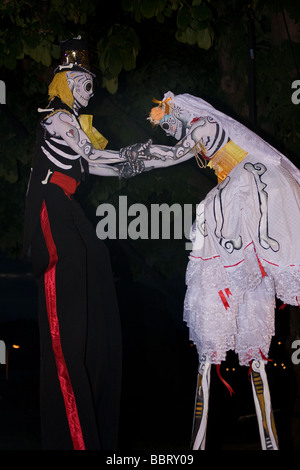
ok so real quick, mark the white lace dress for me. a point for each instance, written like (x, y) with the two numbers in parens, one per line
(246, 248)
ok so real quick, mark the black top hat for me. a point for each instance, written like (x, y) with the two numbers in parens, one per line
(74, 56)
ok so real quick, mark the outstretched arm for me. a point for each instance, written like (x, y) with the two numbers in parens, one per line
(161, 156)
(202, 139)
(101, 162)
(67, 127)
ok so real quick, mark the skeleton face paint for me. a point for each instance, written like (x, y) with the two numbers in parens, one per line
(171, 126)
(81, 86)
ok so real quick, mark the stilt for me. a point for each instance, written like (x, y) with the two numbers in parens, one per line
(263, 406)
(201, 407)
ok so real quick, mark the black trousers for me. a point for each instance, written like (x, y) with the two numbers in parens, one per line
(79, 329)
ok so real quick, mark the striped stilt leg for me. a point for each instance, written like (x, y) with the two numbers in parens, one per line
(264, 412)
(201, 407)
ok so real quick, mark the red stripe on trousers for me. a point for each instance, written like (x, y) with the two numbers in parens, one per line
(63, 375)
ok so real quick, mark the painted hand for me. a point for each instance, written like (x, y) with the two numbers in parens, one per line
(135, 152)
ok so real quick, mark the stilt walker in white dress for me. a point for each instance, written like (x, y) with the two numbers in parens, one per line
(246, 249)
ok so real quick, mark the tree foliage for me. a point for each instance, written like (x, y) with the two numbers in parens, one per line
(139, 51)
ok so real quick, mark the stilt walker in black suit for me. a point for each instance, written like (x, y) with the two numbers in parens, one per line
(78, 313)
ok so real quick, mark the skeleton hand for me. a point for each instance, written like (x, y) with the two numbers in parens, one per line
(135, 152)
(130, 169)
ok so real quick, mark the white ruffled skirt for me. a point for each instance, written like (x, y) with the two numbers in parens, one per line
(246, 252)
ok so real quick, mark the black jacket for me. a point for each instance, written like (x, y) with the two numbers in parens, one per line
(38, 182)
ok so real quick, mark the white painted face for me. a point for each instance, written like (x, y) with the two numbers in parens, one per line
(176, 123)
(169, 124)
(81, 86)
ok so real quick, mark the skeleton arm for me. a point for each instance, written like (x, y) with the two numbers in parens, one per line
(203, 138)
(147, 157)
(67, 127)
(161, 156)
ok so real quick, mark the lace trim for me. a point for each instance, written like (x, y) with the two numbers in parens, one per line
(245, 322)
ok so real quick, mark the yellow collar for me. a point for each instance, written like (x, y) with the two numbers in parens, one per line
(97, 139)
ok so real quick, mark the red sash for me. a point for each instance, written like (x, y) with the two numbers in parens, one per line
(67, 183)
